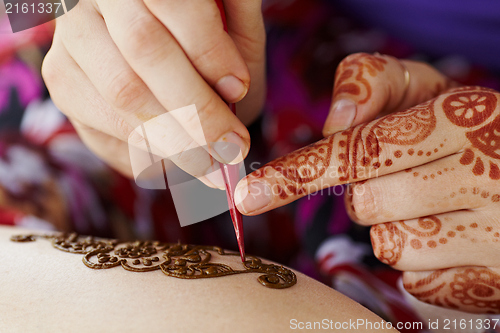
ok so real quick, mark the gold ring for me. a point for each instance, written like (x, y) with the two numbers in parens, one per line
(407, 81)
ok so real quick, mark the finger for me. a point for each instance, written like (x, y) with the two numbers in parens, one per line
(441, 186)
(98, 121)
(369, 85)
(438, 241)
(160, 62)
(246, 28)
(471, 289)
(393, 143)
(104, 146)
(198, 28)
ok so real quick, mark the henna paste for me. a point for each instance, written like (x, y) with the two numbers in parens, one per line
(294, 171)
(474, 289)
(361, 147)
(361, 63)
(390, 239)
(471, 107)
(175, 260)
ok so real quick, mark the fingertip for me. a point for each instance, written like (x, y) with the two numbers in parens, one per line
(342, 115)
(252, 197)
(230, 148)
(231, 89)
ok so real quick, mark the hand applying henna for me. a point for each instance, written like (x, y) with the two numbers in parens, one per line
(430, 190)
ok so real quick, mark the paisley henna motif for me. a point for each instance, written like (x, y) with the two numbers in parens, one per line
(408, 127)
(388, 242)
(487, 139)
(361, 147)
(362, 63)
(472, 289)
(175, 260)
(427, 226)
(297, 169)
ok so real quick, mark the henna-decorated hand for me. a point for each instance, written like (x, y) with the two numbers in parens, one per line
(438, 221)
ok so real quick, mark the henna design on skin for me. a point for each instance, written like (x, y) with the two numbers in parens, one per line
(361, 147)
(477, 191)
(388, 242)
(175, 260)
(299, 168)
(432, 175)
(471, 107)
(473, 289)
(361, 63)
(390, 239)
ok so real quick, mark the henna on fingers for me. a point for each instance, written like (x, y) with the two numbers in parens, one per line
(471, 289)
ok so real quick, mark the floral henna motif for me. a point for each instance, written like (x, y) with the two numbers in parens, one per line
(296, 170)
(471, 107)
(176, 260)
(473, 289)
(361, 63)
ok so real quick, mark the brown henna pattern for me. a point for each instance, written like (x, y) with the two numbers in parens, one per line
(390, 239)
(361, 147)
(472, 289)
(388, 242)
(433, 175)
(294, 171)
(175, 260)
(484, 194)
(471, 107)
(356, 66)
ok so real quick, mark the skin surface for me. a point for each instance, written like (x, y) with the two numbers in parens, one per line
(57, 292)
(426, 179)
(115, 65)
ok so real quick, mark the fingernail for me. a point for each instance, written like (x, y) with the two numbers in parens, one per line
(231, 89)
(341, 116)
(252, 197)
(214, 175)
(231, 148)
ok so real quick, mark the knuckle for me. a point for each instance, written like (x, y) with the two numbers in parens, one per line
(146, 39)
(207, 53)
(125, 89)
(119, 127)
(208, 107)
(50, 71)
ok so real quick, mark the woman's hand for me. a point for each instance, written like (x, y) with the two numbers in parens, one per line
(114, 65)
(427, 180)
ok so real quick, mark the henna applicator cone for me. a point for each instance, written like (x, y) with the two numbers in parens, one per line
(230, 173)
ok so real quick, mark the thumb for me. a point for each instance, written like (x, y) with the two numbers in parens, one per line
(370, 85)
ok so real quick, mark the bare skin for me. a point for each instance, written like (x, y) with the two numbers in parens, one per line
(58, 293)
